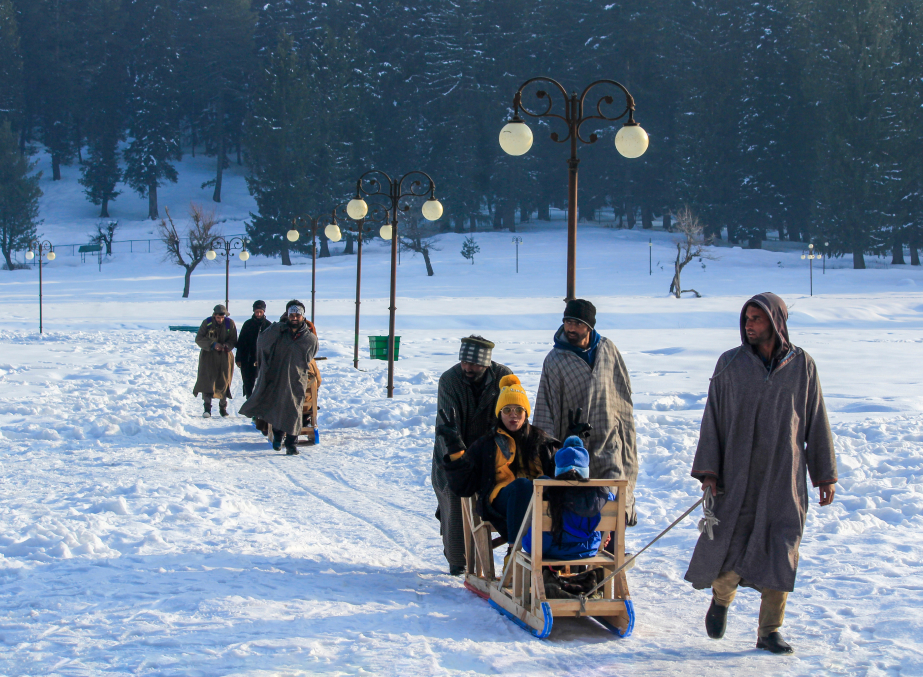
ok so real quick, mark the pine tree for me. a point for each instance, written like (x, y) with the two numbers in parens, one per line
(470, 248)
(278, 150)
(11, 94)
(153, 99)
(19, 194)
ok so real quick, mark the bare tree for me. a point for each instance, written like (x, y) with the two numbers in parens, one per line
(189, 251)
(418, 239)
(690, 246)
(105, 234)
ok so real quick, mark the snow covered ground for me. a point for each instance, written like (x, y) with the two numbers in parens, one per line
(139, 538)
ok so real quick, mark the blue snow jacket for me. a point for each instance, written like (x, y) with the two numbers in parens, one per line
(579, 538)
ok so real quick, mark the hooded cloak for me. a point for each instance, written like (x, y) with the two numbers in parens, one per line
(763, 430)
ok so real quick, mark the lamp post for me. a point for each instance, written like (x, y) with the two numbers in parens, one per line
(363, 226)
(650, 256)
(294, 234)
(517, 241)
(39, 248)
(824, 256)
(375, 182)
(228, 246)
(810, 257)
(516, 139)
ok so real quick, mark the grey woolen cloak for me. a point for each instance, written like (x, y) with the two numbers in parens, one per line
(761, 430)
(284, 373)
(474, 418)
(603, 391)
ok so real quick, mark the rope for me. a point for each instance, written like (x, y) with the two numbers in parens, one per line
(708, 522)
(709, 519)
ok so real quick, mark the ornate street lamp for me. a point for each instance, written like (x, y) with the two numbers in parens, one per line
(516, 139)
(368, 224)
(292, 236)
(394, 190)
(517, 241)
(810, 256)
(228, 246)
(39, 248)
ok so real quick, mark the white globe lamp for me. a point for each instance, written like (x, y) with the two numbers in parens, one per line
(333, 232)
(432, 209)
(51, 256)
(30, 255)
(357, 208)
(210, 254)
(291, 235)
(632, 140)
(385, 232)
(516, 137)
(244, 255)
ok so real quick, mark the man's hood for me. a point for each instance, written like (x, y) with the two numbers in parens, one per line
(777, 311)
(560, 341)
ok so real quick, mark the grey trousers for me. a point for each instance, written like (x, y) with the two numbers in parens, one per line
(450, 518)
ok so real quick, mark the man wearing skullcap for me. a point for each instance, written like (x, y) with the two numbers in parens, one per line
(216, 338)
(470, 390)
(246, 345)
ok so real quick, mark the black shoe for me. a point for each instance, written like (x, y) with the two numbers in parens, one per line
(716, 620)
(291, 451)
(457, 570)
(277, 440)
(774, 643)
(223, 411)
(208, 411)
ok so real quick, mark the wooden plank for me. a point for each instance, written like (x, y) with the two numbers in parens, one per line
(574, 483)
(501, 599)
(594, 607)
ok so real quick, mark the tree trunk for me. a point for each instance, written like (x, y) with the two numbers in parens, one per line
(498, 218)
(897, 254)
(152, 212)
(647, 217)
(188, 280)
(349, 243)
(524, 214)
(324, 250)
(9, 260)
(286, 256)
(544, 213)
(104, 209)
(429, 265)
(459, 223)
(668, 221)
(473, 224)
(630, 215)
(55, 167)
(914, 255)
(219, 119)
(858, 259)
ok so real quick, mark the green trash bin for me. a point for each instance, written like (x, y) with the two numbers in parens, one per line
(378, 347)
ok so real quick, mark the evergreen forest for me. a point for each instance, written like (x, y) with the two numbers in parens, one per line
(797, 117)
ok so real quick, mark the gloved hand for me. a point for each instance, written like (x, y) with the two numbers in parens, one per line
(448, 431)
(575, 427)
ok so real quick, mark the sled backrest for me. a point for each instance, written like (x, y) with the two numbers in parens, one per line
(612, 515)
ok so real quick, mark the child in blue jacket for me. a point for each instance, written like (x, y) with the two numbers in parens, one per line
(575, 511)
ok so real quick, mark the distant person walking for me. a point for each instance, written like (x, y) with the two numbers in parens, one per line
(216, 338)
(284, 352)
(246, 345)
(468, 392)
(585, 375)
(764, 425)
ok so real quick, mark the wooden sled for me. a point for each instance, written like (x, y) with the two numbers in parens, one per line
(310, 434)
(519, 594)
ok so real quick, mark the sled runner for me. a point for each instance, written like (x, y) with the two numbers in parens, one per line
(519, 592)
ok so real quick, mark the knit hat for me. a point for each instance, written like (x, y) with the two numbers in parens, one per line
(582, 311)
(572, 456)
(512, 392)
(259, 305)
(476, 350)
(219, 310)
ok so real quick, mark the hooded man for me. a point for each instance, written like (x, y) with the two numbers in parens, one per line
(246, 345)
(216, 338)
(764, 425)
(470, 390)
(284, 354)
(584, 372)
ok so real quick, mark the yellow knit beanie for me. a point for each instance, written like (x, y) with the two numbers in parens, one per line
(512, 392)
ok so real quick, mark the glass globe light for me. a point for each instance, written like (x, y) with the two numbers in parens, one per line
(211, 254)
(30, 255)
(810, 256)
(291, 235)
(51, 256)
(631, 141)
(432, 209)
(357, 208)
(333, 232)
(244, 255)
(385, 232)
(516, 137)
(802, 257)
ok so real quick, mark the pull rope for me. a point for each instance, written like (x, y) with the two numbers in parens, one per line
(710, 521)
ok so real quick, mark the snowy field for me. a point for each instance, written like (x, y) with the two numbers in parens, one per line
(138, 538)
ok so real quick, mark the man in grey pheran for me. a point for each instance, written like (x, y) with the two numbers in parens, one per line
(764, 425)
(470, 390)
(584, 374)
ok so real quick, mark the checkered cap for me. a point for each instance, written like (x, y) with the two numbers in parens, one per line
(475, 350)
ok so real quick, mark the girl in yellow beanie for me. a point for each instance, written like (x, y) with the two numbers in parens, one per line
(500, 466)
